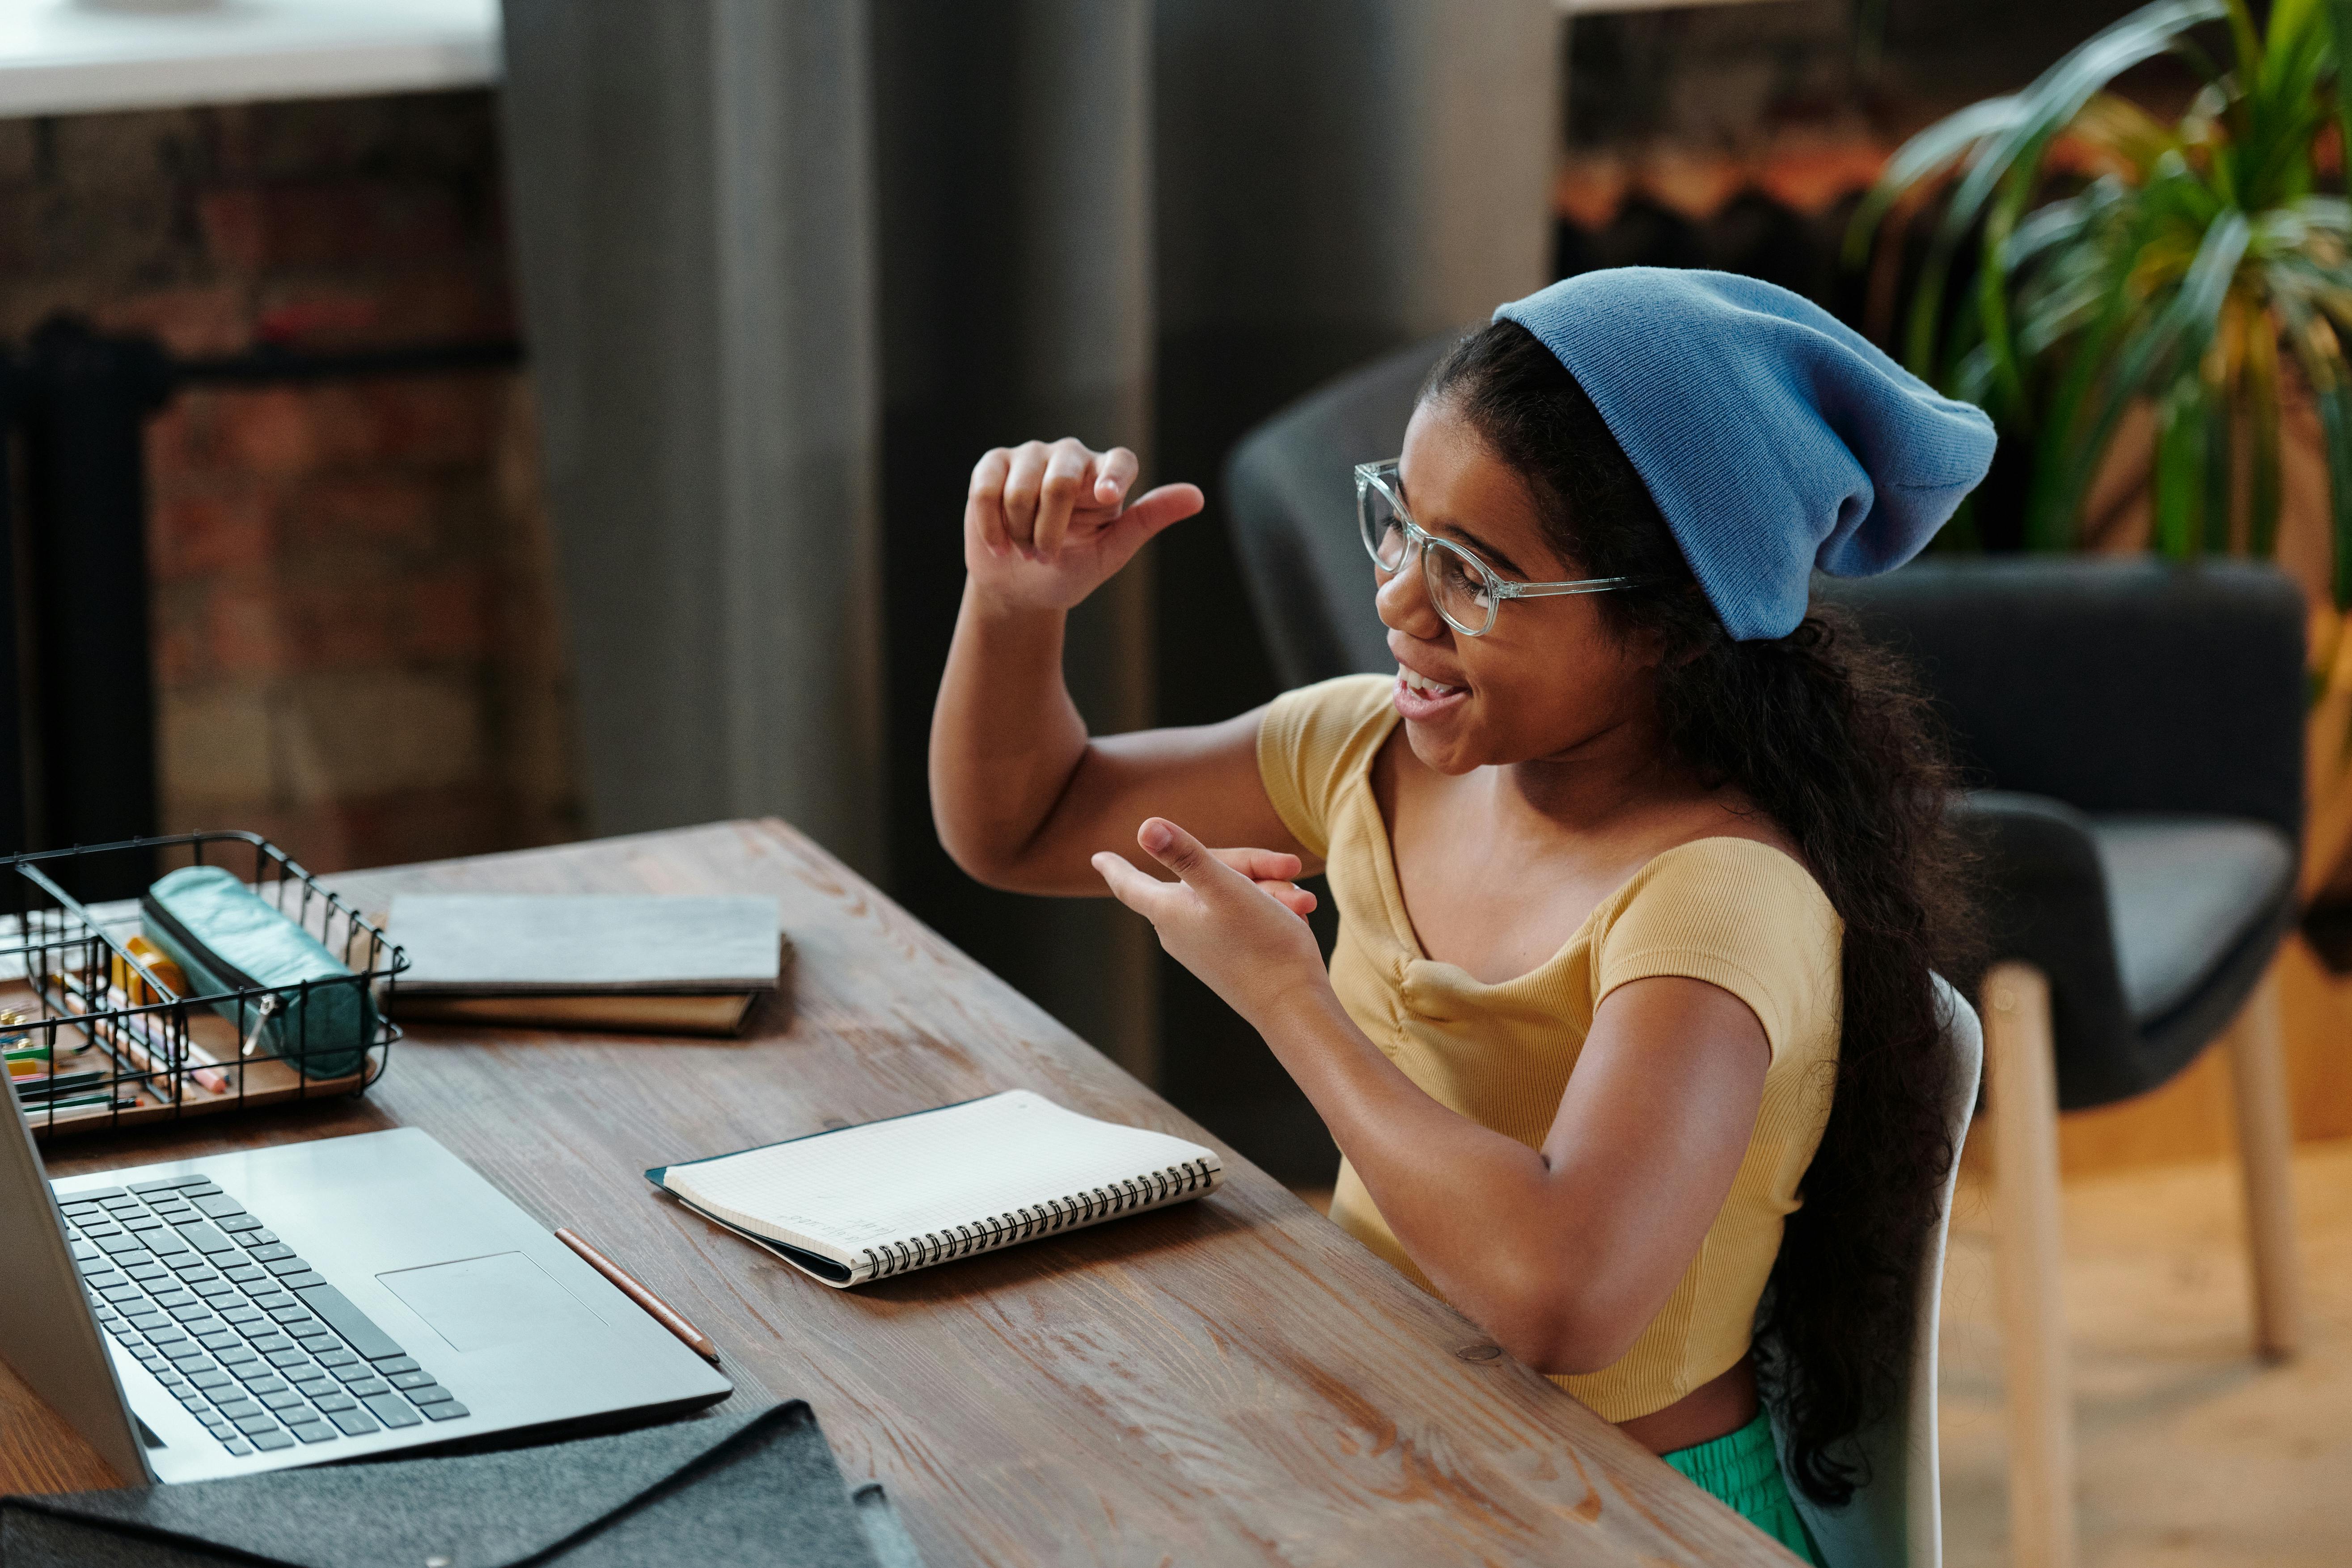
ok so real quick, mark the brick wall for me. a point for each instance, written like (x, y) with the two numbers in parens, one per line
(357, 643)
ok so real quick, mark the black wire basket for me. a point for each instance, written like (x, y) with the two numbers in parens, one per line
(96, 1040)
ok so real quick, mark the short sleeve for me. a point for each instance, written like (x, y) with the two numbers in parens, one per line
(1738, 915)
(1314, 741)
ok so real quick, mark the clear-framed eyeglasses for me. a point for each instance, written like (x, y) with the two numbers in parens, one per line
(1466, 591)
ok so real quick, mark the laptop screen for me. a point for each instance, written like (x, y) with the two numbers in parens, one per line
(52, 1339)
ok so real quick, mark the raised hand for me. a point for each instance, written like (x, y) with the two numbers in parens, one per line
(1044, 525)
(1232, 918)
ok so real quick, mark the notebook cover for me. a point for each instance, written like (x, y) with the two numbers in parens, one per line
(509, 943)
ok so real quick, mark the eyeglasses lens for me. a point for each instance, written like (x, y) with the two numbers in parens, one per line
(1383, 530)
(1457, 587)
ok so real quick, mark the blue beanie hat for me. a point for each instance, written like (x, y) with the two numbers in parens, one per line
(1774, 437)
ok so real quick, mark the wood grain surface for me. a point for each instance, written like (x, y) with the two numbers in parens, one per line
(1229, 1381)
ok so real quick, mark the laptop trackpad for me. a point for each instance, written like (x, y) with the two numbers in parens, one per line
(501, 1300)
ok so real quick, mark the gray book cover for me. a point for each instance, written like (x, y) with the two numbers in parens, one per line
(567, 943)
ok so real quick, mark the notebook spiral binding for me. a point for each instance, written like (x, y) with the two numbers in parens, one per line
(1153, 1190)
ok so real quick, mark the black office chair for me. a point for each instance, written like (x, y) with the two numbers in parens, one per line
(2137, 729)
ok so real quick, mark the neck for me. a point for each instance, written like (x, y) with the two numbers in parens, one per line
(1625, 770)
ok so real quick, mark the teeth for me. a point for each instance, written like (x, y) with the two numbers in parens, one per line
(1422, 683)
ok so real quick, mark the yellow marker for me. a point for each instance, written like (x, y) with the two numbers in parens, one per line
(174, 983)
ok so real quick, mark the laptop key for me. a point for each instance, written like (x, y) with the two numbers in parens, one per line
(215, 1205)
(355, 1422)
(271, 1383)
(253, 1426)
(302, 1282)
(314, 1431)
(285, 1399)
(237, 1446)
(191, 1310)
(415, 1377)
(121, 1244)
(431, 1394)
(271, 1253)
(365, 1383)
(164, 1242)
(146, 1270)
(206, 1238)
(215, 1378)
(332, 1399)
(396, 1364)
(270, 1439)
(234, 1222)
(392, 1410)
(237, 1410)
(289, 1357)
(348, 1321)
(337, 1356)
(448, 1412)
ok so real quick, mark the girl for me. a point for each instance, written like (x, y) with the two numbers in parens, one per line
(1639, 867)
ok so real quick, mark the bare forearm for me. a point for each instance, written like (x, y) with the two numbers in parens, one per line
(1005, 737)
(1483, 1215)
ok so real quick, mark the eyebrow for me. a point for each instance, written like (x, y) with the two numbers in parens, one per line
(1487, 552)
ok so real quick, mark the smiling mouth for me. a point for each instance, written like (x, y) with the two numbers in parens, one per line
(1415, 682)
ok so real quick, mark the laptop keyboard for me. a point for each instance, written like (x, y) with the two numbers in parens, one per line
(247, 1335)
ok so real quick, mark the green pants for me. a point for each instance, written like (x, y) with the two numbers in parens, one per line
(1741, 1469)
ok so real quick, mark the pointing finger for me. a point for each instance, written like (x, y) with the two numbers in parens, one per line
(1129, 886)
(1182, 854)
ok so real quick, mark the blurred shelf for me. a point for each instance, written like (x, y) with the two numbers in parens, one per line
(65, 57)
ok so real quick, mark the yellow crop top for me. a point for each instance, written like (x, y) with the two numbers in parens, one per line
(1730, 911)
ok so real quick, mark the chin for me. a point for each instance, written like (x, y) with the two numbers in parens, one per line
(1450, 757)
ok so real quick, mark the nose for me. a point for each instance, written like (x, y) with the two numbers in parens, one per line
(1405, 604)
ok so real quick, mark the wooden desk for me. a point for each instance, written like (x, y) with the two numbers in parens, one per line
(1228, 1381)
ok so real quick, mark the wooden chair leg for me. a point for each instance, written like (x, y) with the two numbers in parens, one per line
(2265, 1151)
(2021, 1083)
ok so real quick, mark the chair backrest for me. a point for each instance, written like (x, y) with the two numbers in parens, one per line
(1895, 1519)
(1291, 493)
(2114, 685)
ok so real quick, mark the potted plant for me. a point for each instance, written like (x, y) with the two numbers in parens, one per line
(2091, 273)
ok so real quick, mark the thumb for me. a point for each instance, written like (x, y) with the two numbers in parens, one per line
(1182, 854)
(1155, 509)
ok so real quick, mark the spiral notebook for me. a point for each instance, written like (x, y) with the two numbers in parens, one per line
(859, 1204)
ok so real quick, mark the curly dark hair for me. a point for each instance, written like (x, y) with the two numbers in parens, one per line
(1825, 734)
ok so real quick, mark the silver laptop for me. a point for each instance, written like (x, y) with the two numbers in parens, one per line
(309, 1303)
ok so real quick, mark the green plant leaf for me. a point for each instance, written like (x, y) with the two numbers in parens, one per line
(2156, 346)
(1925, 155)
(2020, 134)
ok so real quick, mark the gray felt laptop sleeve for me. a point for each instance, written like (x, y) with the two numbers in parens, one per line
(718, 1492)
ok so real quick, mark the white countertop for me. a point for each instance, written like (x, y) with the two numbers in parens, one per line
(62, 57)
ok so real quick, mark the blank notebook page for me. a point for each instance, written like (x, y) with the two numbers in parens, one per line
(891, 1181)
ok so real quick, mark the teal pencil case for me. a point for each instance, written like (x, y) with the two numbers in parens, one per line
(227, 940)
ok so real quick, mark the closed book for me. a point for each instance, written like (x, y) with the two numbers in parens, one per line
(683, 964)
